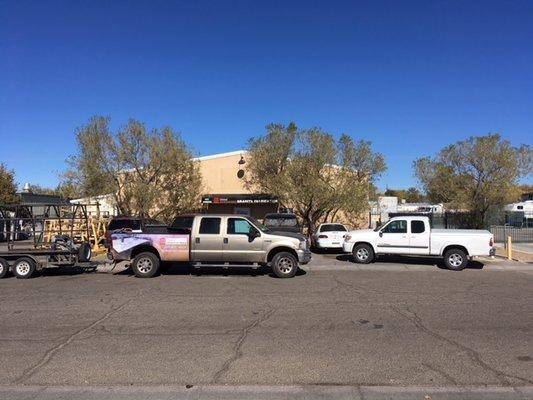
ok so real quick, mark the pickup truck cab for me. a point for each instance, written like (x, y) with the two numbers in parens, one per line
(412, 235)
(211, 240)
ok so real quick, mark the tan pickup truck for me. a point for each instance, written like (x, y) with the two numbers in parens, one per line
(211, 240)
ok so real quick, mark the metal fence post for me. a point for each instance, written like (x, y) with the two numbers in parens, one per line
(509, 248)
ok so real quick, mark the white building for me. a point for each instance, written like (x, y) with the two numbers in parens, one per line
(99, 206)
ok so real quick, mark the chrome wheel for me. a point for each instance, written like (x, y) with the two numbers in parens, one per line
(285, 265)
(144, 265)
(23, 268)
(455, 260)
(362, 254)
(1, 268)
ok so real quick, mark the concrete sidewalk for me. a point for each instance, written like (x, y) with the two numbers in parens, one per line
(263, 392)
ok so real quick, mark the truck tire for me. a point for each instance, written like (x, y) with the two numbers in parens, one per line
(284, 265)
(4, 268)
(455, 259)
(24, 267)
(363, 253)
(145, 265)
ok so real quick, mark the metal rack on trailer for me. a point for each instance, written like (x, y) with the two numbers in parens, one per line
(37, 236)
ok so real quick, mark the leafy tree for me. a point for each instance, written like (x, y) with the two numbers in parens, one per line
(411, 195)
(312, 173)
(479, 174)
(150, 174)
(8, 187)
(64, 190)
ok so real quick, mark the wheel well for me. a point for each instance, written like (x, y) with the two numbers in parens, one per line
(356, 243)
(277, 250)
(144, 248)
(454, 246)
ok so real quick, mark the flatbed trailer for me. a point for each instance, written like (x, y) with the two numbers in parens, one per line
(38, 236)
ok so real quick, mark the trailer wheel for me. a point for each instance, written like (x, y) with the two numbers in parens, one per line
(4, 268)
(145, 265)
(85, 252)
(284, 265)
(24, 268)
(455, 259)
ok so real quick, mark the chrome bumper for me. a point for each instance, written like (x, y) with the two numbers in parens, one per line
(304, 256)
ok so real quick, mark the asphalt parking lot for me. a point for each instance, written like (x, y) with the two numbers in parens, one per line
(397, 323)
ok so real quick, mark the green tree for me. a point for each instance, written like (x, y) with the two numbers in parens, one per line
(479, 174)
(411, 195)
(150, 174)
(8, 187)
(312, 173)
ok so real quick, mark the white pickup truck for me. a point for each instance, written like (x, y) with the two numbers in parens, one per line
(412, 235)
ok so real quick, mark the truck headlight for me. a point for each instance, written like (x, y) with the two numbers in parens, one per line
(347, 238)
(303, 244)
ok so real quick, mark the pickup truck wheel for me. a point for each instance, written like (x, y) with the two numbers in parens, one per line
(4, 268)
(363, 254)
(455, 259)
(24, 268)
(284, 265)
(145, 265)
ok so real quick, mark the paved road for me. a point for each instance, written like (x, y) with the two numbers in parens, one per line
(391, 324)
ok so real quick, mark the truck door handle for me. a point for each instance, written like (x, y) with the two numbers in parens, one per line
(226, 240)
(197, 240)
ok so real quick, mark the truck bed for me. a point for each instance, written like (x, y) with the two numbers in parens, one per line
(171, 245)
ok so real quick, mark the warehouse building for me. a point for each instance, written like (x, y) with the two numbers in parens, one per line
(225, 190)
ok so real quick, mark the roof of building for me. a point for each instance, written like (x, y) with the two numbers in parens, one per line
(221, 155)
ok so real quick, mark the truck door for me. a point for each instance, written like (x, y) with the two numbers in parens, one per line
(206, 241)
(418, 237)
(393, 238)
(242, 242)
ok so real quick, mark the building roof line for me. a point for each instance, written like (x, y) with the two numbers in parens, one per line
(221, 155)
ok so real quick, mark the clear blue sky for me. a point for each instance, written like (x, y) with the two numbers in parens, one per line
(411, 76)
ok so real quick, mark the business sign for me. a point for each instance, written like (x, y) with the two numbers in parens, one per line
(239, 199)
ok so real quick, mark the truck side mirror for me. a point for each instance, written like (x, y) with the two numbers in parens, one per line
(252, 235)
(380, 233)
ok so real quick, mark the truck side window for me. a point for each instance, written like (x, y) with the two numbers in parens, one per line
(238, 226)
(210, 226)
(398, 226)
(417, 227)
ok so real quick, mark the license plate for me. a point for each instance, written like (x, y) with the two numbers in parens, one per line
(336, 242)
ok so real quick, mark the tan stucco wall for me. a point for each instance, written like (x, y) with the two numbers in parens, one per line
(219, 175)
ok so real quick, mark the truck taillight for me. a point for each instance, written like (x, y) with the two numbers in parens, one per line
(322, 236)
(491, 241)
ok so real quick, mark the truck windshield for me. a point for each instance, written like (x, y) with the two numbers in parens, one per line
(276, 221)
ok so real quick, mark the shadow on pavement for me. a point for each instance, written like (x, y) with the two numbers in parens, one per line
(187, 269)
(411, 260)
(326, 251)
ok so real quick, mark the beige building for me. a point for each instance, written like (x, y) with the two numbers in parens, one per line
(224, 188)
